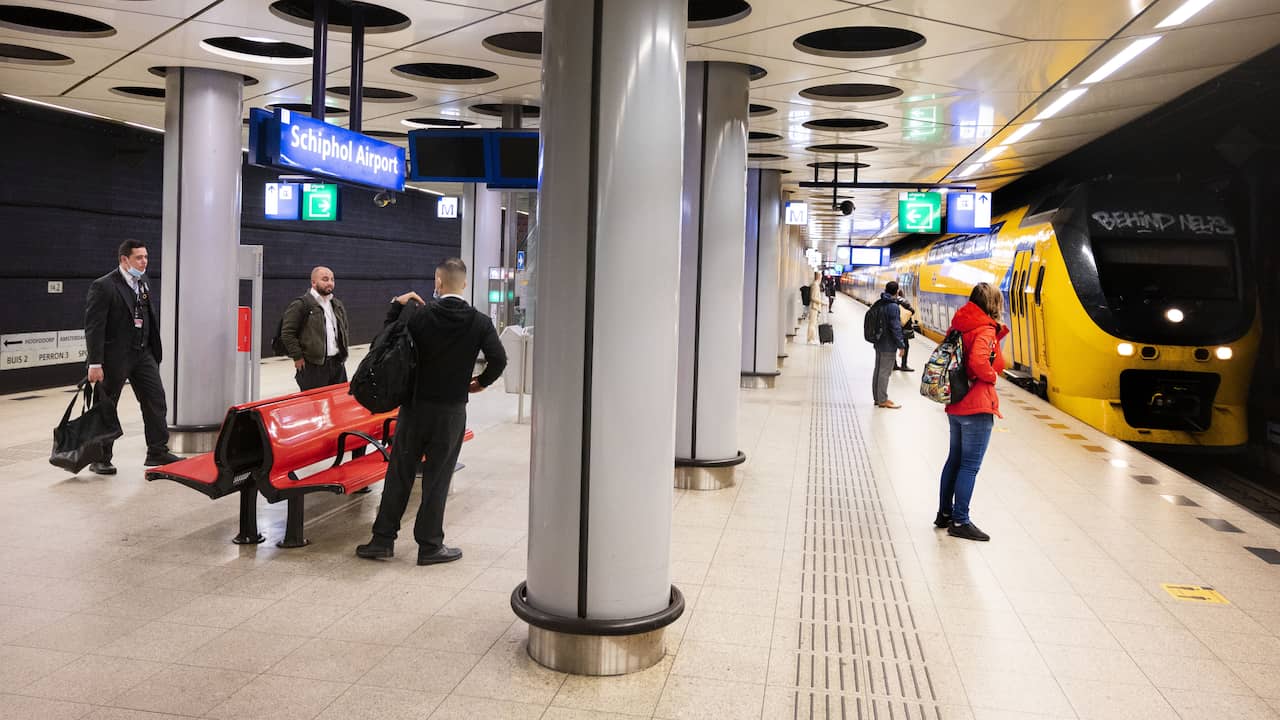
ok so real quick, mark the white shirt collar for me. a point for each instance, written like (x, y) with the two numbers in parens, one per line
(453, 295)
(324, 299)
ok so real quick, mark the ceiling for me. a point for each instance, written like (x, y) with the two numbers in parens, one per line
(985, 70)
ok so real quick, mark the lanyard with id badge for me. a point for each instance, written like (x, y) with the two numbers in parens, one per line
(143, 294)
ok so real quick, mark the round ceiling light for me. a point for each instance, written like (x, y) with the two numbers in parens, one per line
(765, 156)
(306, 108)
(374, 94)
(428, 122)
(52, 22)
(760, 136)
(23, 55)
(139, 91)
(523, 45)
(859, 42)
(846, 124)
(388, 134)
(837, 165)
(755, 72)
(711, 13)
(851, 92)
(377, 19)
(161, 71)
(258, 50)
(495, 109)
(756, 110)
(445, 73)
(841, 148)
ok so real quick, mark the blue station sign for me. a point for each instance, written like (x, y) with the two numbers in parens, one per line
(290, 141)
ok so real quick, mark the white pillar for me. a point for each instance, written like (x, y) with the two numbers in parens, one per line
(599, 591)
(481, 240)
(200, 231)
(714, 222)
(759, 349)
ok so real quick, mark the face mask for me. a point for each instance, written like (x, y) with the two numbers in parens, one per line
(135, 272)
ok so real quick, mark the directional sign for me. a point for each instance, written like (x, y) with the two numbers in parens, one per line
(35, 349)
(447, 207)
(968, 212)
(797, 213)
(920, 212)
(319, 201)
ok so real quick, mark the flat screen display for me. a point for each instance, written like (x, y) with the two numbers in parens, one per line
(447, 156)
(868, 255)
(513, 158)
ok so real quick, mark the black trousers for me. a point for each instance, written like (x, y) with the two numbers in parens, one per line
(311, 376)
(142, 372)
(435, 431)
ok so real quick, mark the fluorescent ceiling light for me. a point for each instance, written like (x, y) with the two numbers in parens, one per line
(144, 127)
(992, 154)
(1134, 49)
(425, 190)
(1184, 13)
(63, 108)
(1020, 133)
(969, 170)
(1069, 97)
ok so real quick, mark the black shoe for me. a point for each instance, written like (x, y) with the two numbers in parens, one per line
(442, 555)
(967, 531)
(160, 458)
(375, 551)
(904, 368)
(103, 468)
(941, 520)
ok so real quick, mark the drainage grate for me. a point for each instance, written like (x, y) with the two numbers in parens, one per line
(859, 653)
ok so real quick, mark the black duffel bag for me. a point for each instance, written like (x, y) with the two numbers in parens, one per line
(82, 441)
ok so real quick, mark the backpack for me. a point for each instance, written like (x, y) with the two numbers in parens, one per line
(384, 381)
(944, 379)
(873, 326)
(277, 343)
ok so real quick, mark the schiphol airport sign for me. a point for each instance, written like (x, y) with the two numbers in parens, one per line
(290, 141)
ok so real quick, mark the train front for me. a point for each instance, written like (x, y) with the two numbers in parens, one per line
(1164, 282)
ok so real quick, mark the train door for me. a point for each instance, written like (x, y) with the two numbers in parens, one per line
(1020, 333)
(1041, 347)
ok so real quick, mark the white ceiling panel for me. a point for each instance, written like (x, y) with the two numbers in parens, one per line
(26, 82)
(1215, 12)
(779, 71)
(86, 59)
(1226, 43)
(1022, 67)
(1030, 19)
(167, 8)
(467, 43)
(132, 29)
(765, 15)
(135, 70)
(1150, 90)
(940, 39)
(184, 44)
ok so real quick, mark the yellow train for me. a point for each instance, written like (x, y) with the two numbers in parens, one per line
(1130, 308)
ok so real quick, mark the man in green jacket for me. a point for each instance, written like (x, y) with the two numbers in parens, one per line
(314, 333)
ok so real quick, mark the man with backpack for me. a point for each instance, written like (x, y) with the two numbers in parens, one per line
(313, 333)
(448, 334)
(882, 327)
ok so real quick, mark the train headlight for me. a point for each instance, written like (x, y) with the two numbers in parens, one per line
(1223, 353)
(1173, 315)
(1125, 349)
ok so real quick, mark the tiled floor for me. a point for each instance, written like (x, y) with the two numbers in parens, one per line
(816, 588)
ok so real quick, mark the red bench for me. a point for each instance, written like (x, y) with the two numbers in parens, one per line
(305, 431)
(230, 467)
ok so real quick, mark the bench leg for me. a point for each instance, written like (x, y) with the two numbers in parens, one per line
(249, 534)
(293, 526)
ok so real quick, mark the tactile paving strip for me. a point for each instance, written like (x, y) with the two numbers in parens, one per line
(859, 654)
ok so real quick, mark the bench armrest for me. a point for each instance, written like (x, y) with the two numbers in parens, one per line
(342, 445)
(386, 430)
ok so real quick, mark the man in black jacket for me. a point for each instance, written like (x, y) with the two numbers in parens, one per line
(122, 337)
(314, 333)
(449, 335)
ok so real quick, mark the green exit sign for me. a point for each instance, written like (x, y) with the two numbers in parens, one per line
(319, 201)
(495, 296)
(920, 212)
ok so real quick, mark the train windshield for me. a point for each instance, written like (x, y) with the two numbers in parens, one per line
(1137, 269)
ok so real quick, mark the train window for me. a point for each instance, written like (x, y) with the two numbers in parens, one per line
(1039, 284)
(1159, 268)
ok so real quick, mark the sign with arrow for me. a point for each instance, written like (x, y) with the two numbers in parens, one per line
(34, 349)
(920, 212)
(968, 212)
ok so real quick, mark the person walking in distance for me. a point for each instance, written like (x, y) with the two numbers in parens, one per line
(887, 345)
(122, 339)
(449, 334)
(907, 315)
(972, 417)
(314, 333)
(831, 292)
(815, 308)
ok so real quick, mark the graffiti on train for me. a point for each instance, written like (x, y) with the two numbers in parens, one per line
(1142, 222)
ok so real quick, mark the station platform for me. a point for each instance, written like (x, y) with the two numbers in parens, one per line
(817, 587)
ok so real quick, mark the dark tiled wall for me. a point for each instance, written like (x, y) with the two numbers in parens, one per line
(71, 188)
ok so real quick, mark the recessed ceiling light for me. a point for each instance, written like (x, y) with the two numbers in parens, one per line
(264, 40)
(52, 22)
(859, 42)
(427, 122)
(1184, 13)
(273, 52)
(524, 45)
(1134, 49)
(851, 92)
(377, 19)
(1069, 97)
(711, 13)
(1020, 133)
(992, 154)
(24, 55)
(445, 73)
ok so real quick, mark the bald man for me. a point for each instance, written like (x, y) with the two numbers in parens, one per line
(314, 333)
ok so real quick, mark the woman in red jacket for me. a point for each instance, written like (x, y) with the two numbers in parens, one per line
(972, 416)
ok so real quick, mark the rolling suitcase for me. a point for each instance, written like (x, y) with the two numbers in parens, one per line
(826, 334)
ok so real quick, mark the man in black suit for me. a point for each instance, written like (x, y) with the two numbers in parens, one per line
(449, 335)
(122, 335)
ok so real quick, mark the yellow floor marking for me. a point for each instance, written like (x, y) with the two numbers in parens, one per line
(1195, 593)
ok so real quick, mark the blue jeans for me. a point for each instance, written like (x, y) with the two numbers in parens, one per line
(969, 437)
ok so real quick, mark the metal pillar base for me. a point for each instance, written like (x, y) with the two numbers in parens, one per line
(596, 647)
(758, 381)
(708, 474)
(193, 440)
